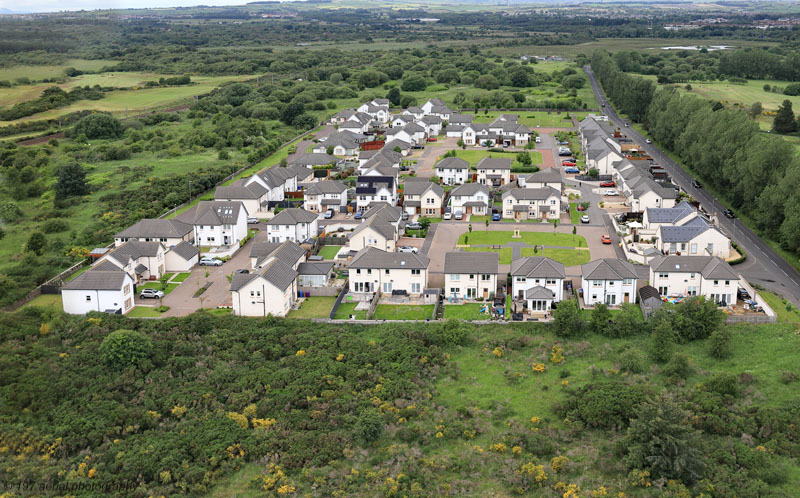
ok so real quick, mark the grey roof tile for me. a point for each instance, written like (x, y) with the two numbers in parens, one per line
(472, 262)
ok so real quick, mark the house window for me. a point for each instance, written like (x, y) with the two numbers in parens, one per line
(369, 271)
(453, 290)
(415, 272)
(550, 281)
(455, 277)
(727, 282)
(627, 281)
(611, 283)
(521, 279)
(415, 287)
(691, 275)
(716, 282)
(693, 248)
(386, 272)
(663, 290)
(486, 277)
(663, 275)
(126, 289)
(472, 277)
(88, 298)
(597, 283)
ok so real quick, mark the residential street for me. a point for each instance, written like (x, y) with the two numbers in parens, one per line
(763, 265)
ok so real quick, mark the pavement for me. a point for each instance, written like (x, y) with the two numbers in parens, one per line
(182, 301)
(763, 265)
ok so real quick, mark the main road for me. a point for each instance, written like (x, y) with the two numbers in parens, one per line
(763, 265)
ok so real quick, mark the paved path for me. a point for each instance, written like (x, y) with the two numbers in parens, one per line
(427, 160)
(302, 145)
(768, 268)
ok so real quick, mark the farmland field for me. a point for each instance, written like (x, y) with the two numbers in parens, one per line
(45, 72)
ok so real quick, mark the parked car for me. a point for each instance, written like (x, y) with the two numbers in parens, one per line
(605, 239)
(603, 104)
(728, 213)
(608, 184)
(459, 215)
(566, 152)
(611, 192)
(563, 142)
(252, 221)
(242, 271)
(581, 207)
(414, 226)
(648, 141)
(358, 215)
(448, 216)
(568, 162)
(151, 294)
(696, 184)
(538, 140)
(626, 123)
(585, 218)
(210, 262)
(571, 169)
(410, 249)
(431, 139)
(329, 214)
(496, 217)
(404, 216)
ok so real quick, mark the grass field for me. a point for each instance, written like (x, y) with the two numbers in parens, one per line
(555, 119)
(329, 252)
(473, 156)
(180, 277)
(403, 312)
(617, 44)
(506, 253)
(530, 238)
(574, 214)
(344, 311)
(51, 301)
(778, 304)
(143, 312)
(54, 71)
(467, 311)
(157, 285)
(314, 307)
(567, 257)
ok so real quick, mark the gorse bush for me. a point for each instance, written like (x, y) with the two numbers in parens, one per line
(126, 348)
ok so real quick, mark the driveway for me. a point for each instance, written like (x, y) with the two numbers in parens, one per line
(182, 301)
(427, 160)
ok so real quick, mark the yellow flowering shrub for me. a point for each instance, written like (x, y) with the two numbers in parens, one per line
(92, 472)
(439, 435)
(499, 447)
(286, 489)
(44, 328)
(760, 448)
(516, 450)
(235, 451)
(300, 352)
(240, 419)
(556, 354)
(154, 415)
(250, 411)
(94, 321)
(640, 478)
(263, 422)
(275, 479)
(599, 492)
(559, 463)
(498, 352)
(178, 410)
(340, 357)
(538, 367)
(532, 471)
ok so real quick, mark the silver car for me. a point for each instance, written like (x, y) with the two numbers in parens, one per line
(210, 262)
(151, 294)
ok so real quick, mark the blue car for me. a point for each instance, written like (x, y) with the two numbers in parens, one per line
(495, 217)
(572, 170)
(358, 215)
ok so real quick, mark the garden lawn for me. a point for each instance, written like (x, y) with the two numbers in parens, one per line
(180, 277)
(143, 312)
(52, 301)
(778, 305)
(328, 252)
(574, 214)
(75, 275)
(403, 312)
(344, 311)
(314, 307)
(531, 238)
(567, 257)
(467, 311)
(506, 253)
(472, 156)
(157, 285)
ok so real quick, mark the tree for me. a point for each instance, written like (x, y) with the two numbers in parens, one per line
(567, 321)
(10, 212)
(695, 318)
(291, 112)
(71, 181)
(784, 119)
(755, 110)
(369, 426)
(600, 320)
(99, 125)
(487, 226)
(394, 96)
(126, 348)
(414, 83)
(329, 150)
(555, 224)
(719, 343)
(36, 243)
(163, 279)
(524, 158)
(628, 321)
(663, 341)
(661, 441)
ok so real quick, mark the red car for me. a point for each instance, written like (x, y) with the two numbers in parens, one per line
(605, 239)
(567, 163)
(432, 139)
(580, 207)
(608, 184)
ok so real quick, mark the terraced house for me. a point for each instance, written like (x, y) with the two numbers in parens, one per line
(375, 271)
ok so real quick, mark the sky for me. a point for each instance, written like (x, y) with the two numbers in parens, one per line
(60, 5)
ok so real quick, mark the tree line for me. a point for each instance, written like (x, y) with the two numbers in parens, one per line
(756, 173)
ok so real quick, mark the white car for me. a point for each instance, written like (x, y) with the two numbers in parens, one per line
(448, 216)
(648, 141)
(611, 192)
(585, 218)
(410, 249)
(538, 140)
(210, 262)
(252, 221)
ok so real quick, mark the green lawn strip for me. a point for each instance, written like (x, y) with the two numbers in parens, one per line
(507, 220)
(435, 220)
(157, 285)
(75, 275)
(180, 277)
(169, 275)
(567, 257)
(506, 253)
(143, 312)
(574, 214)
(221, 311)
(328, 252)
(473, 156)
(538, 238)
(478, 219)
(52, 301)
(403, 312)
(778, 305)
(314, 307)
(344, 311)
(467, 311)
(416, 233)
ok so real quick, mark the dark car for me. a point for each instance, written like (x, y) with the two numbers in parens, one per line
(243, 270)
(495, 217)
(696, 184)
(358, 215)
(728, 213)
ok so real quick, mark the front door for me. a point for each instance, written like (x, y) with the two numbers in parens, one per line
(627, 297)
(485, 293)
(225, 240)
(518, 215)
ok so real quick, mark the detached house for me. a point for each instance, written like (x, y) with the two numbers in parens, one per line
(452, 171)
(379, 113)
(340, 143)
(428, 106)
(254, 196)
(532, 204)
(431, 124)
(293, 224)
(342, 116)
(494, 171)
(609, 281)
(375, 232)
(694, 238)
(288, 252)
(106, 291)
(371, 189)
(470, 198)
(400, 120)
(324, 195)
(271, 291)
(682, 276)
(313, 159)
(373, 270)
(423, 198)
(168, 232)
(537, 280)
(471, 275)
(141, 260)
(219, 223)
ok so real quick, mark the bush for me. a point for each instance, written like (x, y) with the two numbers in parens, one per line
(600, 320)
(719, 344)
(602, 404)
(725, 384)
(567, 321)
(125, 348)
(369, 426)
(663, 341)
(633, 361)
(55, 225)
(677, 367)
(99, 125)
